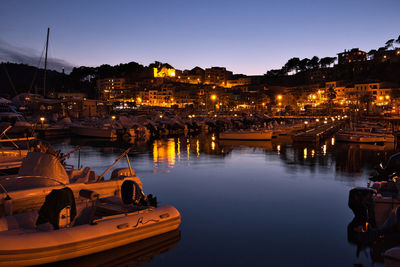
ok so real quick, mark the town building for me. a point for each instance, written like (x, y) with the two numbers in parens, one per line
(238, 82)
(387, 56)
(381, 94)
(163, 96)
(111, 88)
(351, 56)
(217, 75)
(193, 76)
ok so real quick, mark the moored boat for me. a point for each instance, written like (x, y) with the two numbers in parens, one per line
(392, 257)
(40, 173)
(364, 137)
(91, 131)
(100, 224)
(246, 135)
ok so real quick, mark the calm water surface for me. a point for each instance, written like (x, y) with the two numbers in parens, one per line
(246, 203)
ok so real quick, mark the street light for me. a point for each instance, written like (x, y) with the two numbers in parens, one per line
(213, 97)
(42, 120)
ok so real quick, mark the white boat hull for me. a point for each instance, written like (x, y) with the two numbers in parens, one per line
(363, 137)
(30, 247)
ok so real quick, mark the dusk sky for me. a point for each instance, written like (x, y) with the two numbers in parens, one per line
(247, 37)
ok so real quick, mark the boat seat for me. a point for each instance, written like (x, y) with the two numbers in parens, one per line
(25, 220)
(113, 206)
(80, 176)
(130, 200)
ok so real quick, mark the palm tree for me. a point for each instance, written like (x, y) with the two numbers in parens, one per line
(331, 96)
(367, 99)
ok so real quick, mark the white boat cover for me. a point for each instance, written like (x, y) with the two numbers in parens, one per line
(45, 165)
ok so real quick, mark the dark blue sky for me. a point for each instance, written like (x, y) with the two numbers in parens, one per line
(247, 37)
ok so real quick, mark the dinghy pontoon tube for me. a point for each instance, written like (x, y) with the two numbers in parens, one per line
(23, 243)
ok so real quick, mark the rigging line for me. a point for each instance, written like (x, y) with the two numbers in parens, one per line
(37, 68)
(9, 78)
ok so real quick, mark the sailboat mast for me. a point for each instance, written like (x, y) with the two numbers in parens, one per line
(45, 63)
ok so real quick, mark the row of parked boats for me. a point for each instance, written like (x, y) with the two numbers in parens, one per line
(52, 212)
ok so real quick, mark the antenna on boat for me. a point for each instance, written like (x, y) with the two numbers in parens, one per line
(112, 165)
(129, 164)
(45, 63)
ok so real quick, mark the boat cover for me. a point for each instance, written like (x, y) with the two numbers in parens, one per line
(45, 165)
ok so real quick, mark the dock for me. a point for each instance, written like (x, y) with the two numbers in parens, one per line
(317, 133)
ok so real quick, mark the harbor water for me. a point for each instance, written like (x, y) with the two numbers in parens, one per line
(244, 203)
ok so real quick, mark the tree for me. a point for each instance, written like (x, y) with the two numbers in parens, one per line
(313, 63)
(273, 73)
(303, 64)
(389, 43)
(292, 64)
(331, 96)
(372, 53)
(383, 48)
(367, 99)
(327, 61)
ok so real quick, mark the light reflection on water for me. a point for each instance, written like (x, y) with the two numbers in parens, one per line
(250, 203)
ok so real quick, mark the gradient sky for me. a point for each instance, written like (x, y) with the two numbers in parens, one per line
(247, 37)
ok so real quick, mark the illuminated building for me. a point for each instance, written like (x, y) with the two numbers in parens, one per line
(387, 56)
(111, 88)
(353, 55)
(193, 76)
(381, 95)
(238, 82)
(164, 72)
(217, 76)
(161, 97)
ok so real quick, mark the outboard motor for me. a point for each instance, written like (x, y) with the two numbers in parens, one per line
(361, 203)
(392, 169)
(58, 209)
(131, 193)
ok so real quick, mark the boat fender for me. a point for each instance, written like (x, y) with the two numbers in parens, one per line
(89, 194)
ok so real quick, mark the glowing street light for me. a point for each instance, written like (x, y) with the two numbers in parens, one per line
(279, 97)
(213, 97)
(42, 120)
